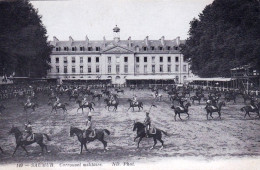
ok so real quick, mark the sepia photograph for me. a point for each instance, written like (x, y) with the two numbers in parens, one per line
(130, 84)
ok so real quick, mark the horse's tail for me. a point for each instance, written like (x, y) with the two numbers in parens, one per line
(165, 133)
(93, 103)
(242, 109)
(107, 131)
(48, 138)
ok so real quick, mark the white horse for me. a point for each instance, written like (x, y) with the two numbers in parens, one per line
(157, 97)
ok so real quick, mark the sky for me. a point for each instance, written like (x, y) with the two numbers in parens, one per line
(135, 18)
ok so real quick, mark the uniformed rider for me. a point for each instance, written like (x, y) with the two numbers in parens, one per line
(147, 123)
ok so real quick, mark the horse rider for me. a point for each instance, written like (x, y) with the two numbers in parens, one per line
(28, 102)
(252, 103)
(147, 123)
(84, 101)
(134, 99)
(89, 130)
(57, 102)
(28, 130)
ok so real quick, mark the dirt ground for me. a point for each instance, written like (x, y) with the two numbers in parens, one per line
(232, 136)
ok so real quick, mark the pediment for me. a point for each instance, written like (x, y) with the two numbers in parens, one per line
(117, 49)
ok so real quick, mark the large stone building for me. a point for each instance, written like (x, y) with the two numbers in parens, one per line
(119, 61)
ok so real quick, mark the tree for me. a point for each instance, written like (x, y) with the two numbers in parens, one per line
(226, 35)
(23, 42)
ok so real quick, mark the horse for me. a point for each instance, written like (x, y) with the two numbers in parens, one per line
(246, 97)
(33, 105)
(83, 141)
(140, 127)
(229, 97)
(59, 106)
(89, 105)
(193, 98)
(248, 109)
(96, 96)
(74, 96)
(113, 103)
(20, 142)
(120, 91)
(210, 109)
(178, 110)
(133, 105)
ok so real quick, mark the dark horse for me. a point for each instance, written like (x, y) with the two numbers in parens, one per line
(178, 110)
(210, 109)
(248, 109)
(99, 136)
(20, 142)
(82, 106)
(96, 96)
(140, 127)
(113, 103)
(198, 98)
(60, 106)
(133, 105)
(74, 96)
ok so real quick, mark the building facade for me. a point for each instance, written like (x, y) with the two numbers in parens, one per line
(118, 61)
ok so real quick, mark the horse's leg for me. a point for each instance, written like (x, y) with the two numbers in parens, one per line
(175, 116)
(179, 115)
(219, 114)
(161, 142)
(85, 146)
(188, 115)
(141, 137)
(104, 143)
(25, 149)
(42, 146)
(1, 150)
(155, 142)
(81, 146)
(17, 146)
(211, 115)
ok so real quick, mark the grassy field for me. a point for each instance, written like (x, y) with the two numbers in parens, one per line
(232, 136)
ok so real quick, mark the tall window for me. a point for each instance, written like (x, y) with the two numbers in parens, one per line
(81, 48)
(65, 60)
(184, 68)
(97, 59)
(57, 59)
(168, 48)
(160, 48)
(73, 69)
(109, 59)
(145, 59)
(57, 69)
(169, 59)
(81, 59)
(109, 69)
(161, 59)
(153, 59)
(66, 49)
(81, 69)
(65, 69)
(97, 48)
(125, 59)
(177, 68)
(73, 48)
(161, 68)
(153, 68)
(89, 48)
(97, 68)
(169, 68)
(145, 48)
(73, 60)
(89, 69)
(137, 59)
(126, 69)
(137, 68)
(89, 59)
(117, 59)
(152, 47)
(145, 69)
(176, 59)
(177, 79)
(57, 48)
(117, 69)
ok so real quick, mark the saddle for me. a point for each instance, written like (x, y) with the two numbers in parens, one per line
(59, 104)
(214, 107)
(152, 130)
(89, 133)
(135, 103)
(181, 108)
(252, 107)
(112, 102)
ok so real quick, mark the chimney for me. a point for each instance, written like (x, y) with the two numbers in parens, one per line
(55, 40)
(178, 42)
(162, 41)
(129, 42)
(71, 40)
(86, 38)
(146, 41)
(104, 41)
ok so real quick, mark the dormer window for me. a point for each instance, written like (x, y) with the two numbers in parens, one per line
(152, 47)
(74, 48)
(81, 48)
(89, 48)
(160, 48)
(137, 48)
(175, 48)
(57, 48)
(145, 48)
(97, 48)
(66, 48)
(168, 48)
